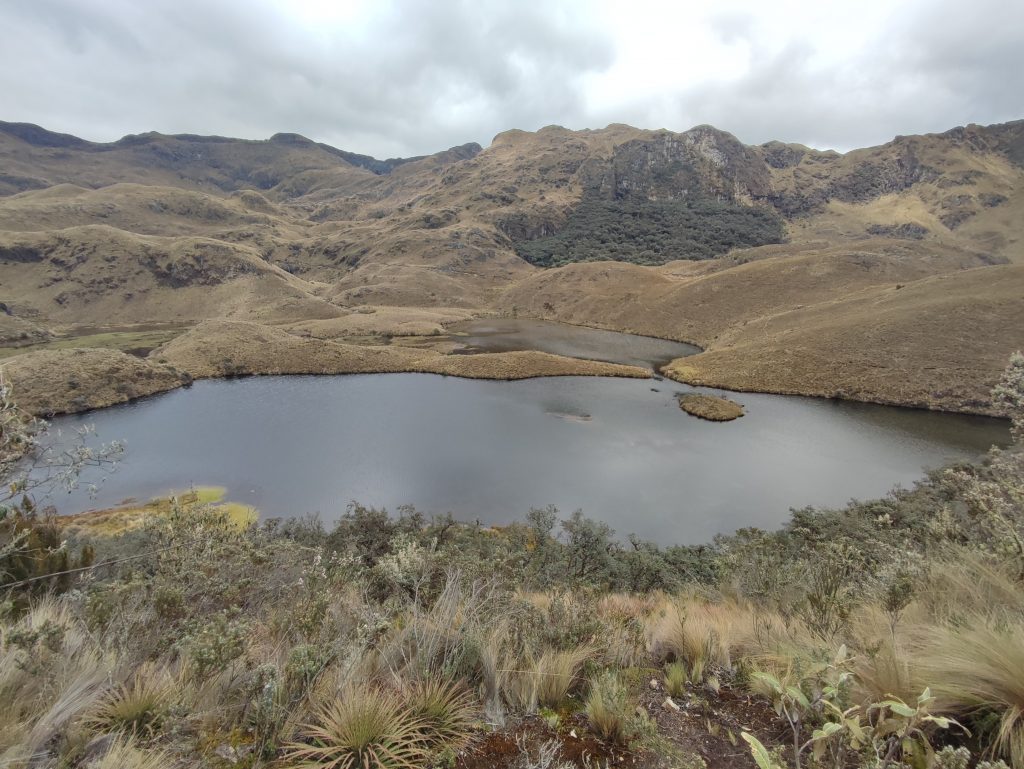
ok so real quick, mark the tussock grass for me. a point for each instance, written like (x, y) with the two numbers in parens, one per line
(979, 669)
(137, 706)
(446, 709)
(51, 672)
(364, 728)
(547, 679)
(607, 708)
(557, 671)
(676, 678)
(884, 673)
(124, 753)
(699, 635)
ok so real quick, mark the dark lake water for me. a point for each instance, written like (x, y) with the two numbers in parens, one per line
(488, 451)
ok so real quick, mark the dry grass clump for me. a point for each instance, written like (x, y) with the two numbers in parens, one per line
(51, 672)
(123, 753)
(364, 728)
(546, 680)
(137, 706)
(979, 669)
(607, 709)
(628, 606)
(698, 635)
(557, 671)
(969, 583)
(885, 673)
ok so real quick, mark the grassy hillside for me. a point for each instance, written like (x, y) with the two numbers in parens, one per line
(170, 231)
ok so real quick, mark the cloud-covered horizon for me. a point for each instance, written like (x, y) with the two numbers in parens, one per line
(408, 78)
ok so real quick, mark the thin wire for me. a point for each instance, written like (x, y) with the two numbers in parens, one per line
(80, 569)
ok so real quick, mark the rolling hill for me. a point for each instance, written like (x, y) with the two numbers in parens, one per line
(892, 273)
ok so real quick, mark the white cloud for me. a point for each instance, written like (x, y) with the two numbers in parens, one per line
(399, 78)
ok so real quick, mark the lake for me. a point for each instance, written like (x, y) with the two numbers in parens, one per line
(620, 449)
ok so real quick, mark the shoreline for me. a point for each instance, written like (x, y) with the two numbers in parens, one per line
(231, 349)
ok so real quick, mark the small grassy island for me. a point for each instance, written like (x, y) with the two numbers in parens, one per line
(710, 407)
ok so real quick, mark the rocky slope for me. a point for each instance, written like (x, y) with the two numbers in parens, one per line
(897, 280)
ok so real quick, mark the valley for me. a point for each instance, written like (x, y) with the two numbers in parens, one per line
(894, 274)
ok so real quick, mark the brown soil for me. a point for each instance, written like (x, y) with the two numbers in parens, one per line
(706, 728)
(710, 407)
(710, 725)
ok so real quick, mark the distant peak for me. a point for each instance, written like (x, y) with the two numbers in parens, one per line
(290, 138)
(38, 136)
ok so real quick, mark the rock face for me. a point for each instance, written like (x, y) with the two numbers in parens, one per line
(700, 163)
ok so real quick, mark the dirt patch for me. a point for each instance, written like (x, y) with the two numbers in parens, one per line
(704, 732)
(710, 407)
(521, 743)
(709, 725)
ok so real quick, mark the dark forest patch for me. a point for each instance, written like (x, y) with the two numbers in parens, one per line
(653, 232)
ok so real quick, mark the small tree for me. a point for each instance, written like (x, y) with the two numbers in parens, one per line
(995, 495)
(30, 544)
(590, 547)
(1009, 393)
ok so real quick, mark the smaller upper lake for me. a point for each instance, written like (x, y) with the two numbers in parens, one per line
(513, 334)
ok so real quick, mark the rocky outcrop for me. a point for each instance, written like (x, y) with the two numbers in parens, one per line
(700, 163)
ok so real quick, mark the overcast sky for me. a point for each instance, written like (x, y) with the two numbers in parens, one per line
(404, 78)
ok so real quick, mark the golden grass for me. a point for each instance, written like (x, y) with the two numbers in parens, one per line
(710, 407)
(124, 753)
(980, 669)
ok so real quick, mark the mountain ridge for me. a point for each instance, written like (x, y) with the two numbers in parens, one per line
(162, 229)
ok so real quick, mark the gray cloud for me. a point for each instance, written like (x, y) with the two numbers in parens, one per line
(417, 77)
(936, 65)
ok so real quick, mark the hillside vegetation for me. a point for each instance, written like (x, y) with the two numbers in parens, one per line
(889, 634)
(652, 232)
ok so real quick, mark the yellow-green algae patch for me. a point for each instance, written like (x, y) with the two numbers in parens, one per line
(117, 520)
